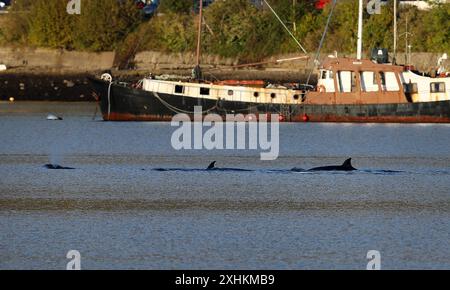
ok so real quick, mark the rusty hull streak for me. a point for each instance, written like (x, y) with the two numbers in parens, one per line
(376, 119)
(298, 119)
(131, 117)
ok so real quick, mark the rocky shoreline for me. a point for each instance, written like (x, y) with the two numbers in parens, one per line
(44, 85)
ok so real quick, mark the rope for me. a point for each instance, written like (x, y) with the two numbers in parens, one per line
(316, 58)
(95, 113)
(109, 99)
(285, 27)
(178, 110)
(139, 84)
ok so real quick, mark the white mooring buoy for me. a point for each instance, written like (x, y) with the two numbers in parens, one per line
(52, 117)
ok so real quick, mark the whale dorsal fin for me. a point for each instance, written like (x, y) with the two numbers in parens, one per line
(212, 165)
(347, 164)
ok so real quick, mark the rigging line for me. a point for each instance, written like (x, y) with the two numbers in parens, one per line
(285, 27)
(170, 107)
(316, 58)
(178, 110)
(246, 109)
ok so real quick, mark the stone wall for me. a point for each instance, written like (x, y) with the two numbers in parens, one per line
(159, 62)
(155, 61)
(54, 60)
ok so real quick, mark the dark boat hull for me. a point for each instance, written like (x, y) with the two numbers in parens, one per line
(121, 103)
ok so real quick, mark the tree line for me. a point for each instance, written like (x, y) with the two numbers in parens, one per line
(231, 29)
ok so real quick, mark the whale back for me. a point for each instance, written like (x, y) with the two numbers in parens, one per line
(56, 166)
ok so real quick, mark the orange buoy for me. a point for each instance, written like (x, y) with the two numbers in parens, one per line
(305, 118)
(281, 118)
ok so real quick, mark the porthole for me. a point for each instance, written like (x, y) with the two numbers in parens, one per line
(204, 91)
(179, 89)
(273, 95)
(256, 94)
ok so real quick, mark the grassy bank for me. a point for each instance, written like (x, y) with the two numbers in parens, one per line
(234, 29)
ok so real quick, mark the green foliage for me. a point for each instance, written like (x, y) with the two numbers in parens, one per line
(434, 33)
(379, 29)
(431, 29)
(177, 6)
(343, 31)
(50, 24)
(169, 32)
(275, 38)
(103, 24)
(14, 27)
(233, 28)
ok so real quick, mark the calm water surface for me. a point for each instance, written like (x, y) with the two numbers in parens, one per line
(121, 214)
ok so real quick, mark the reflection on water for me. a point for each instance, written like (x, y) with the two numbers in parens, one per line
(120, 212)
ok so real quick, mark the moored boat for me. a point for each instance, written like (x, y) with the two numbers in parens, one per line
(348, 90)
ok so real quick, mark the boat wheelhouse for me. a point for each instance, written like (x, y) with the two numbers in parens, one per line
(352, 81)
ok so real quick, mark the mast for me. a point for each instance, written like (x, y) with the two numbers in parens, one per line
(395, 32)
(360, 30)
(294, 25)
(406, 43)
(199, 37)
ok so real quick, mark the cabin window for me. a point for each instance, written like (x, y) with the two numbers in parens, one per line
(256, 94)
(179, 89)
(368, 82)
(391, 82)
(296, 97)
(273, 95)
(437, 87)
(230, 93)
(344, 79)
(363, 82)
(204, 91)
(326, 74)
